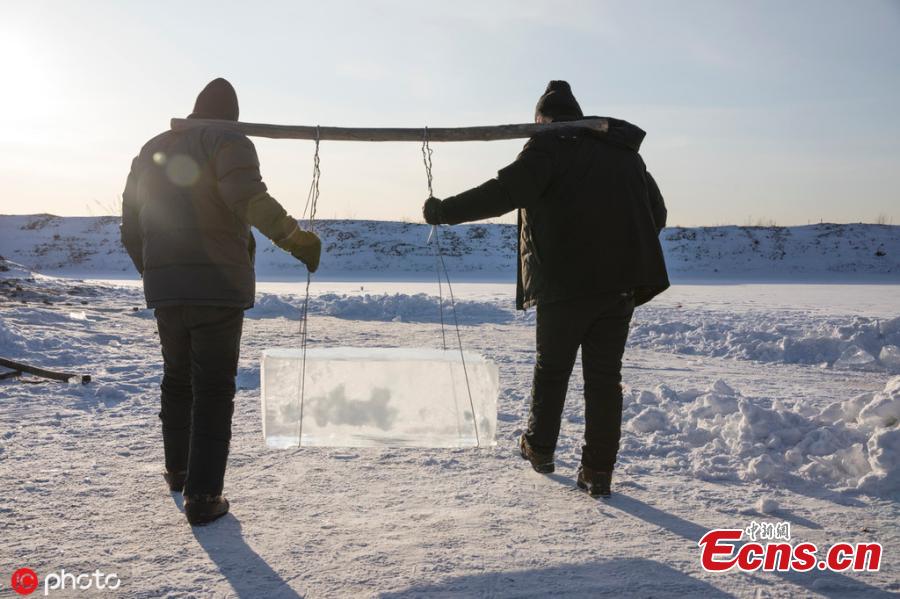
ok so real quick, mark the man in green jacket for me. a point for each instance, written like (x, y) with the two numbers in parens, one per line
(589, 221)
(187, 209)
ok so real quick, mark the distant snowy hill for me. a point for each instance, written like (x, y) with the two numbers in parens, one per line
(368, 250)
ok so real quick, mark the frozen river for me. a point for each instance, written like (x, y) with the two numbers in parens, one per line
(872, 300)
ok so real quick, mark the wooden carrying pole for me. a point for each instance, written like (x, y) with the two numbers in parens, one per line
(489, 133)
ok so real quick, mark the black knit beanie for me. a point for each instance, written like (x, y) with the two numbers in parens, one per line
(218, 100)
(558, 102)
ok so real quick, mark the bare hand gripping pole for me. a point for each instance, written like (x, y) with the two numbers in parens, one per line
(490, 133)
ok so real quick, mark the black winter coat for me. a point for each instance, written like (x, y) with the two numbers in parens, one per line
(187, 208)
(589, 215)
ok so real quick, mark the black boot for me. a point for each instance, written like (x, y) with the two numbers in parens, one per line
(175, 480)
(594, 482)
(541, 461)
(203, 509)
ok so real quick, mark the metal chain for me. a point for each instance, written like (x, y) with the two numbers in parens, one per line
(426, 159)
(435, 234)
(312, 200)
(313, 196)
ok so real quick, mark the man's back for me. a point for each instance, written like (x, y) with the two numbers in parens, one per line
(195, 245)
(594, 228)
(589, 215)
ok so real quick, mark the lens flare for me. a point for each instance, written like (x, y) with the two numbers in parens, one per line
(182, 170)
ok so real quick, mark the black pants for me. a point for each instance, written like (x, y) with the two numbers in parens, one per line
(598, 325)
(200, 348)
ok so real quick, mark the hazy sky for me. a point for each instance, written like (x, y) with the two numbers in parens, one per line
(784, 111)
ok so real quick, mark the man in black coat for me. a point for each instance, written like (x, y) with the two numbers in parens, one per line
(589, 221)
(188, 205)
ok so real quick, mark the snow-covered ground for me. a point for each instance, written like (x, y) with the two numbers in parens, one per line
(743, 403)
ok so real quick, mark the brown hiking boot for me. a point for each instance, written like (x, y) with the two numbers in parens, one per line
(540, 461)
(595, 482)
(203, 509)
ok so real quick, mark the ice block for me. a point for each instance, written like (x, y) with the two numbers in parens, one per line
(390, 397)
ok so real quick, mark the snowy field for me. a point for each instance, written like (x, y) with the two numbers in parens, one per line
(740, 399)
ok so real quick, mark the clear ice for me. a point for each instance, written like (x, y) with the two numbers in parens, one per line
(368, 397)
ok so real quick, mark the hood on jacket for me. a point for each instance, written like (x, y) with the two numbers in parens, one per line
(624, 133)
(218, 100)
(620, 132)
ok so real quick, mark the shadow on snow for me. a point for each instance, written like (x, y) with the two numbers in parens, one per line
(615, 577)
(826, 583)
(247, 573)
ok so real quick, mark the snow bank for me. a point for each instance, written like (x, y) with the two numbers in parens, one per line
(845, 250)
(90, 246)
(853, 344)
(877, 414)
(268, 305)
(857, 343)
(718, 434)
(11, 342)
(12, 274)
(400, 307)
(397, 307)
(13, 270)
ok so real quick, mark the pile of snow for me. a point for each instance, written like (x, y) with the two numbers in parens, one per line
(268, 305)
(11, 341)
(401, 307)
(396, 307)
(878, 416)
(859, 343)
(10, 270)
(90, 246)
(718, 434)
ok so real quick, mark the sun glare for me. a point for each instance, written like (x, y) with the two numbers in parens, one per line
(27, 90)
